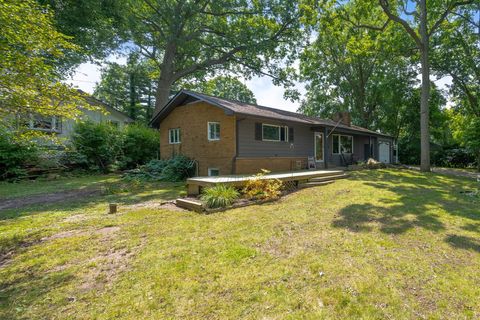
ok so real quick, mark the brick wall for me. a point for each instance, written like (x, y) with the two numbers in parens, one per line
(192, 120)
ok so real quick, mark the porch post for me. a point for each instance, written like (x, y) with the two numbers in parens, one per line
(325, 148)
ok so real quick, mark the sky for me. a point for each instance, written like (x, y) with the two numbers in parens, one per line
(266, 93)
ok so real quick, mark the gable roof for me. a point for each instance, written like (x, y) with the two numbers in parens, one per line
(97, 102)
(241, 108)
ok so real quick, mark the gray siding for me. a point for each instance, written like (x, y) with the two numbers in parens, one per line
(302, 146)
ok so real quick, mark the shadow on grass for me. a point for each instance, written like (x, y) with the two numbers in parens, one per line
(411, 204)
(123, 193)
(32, 287)
(463, 242)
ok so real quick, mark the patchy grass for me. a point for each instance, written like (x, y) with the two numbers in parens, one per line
(9, 190)
(382, 244)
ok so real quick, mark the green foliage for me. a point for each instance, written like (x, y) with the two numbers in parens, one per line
(29, 77)
(177, 168)
(15, 154)
(224, 87)
(94, 26)
(219, 196)
(195, 39)
(99, 143)
(140, 145)
(360, 72)
(258, 187)
(129, 88)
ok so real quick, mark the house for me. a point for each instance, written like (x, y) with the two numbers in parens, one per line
(63, 128)
(232, 137)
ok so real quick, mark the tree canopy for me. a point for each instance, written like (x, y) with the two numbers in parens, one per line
(29, 77)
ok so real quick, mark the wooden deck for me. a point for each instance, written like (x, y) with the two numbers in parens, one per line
(194, 184)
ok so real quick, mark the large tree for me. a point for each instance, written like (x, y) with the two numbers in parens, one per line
(95, 26)
(129, 88)
(29, 77)
(348, 68)
(420, 23)
(225, 87)
(196, 38)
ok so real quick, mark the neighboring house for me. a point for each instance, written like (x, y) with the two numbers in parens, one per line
(231, 137)
(63, 128)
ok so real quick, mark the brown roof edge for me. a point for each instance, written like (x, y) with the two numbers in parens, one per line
(236, 107)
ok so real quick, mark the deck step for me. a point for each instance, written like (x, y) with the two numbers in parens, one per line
(329, 178)
(189, 205)
(314, 184)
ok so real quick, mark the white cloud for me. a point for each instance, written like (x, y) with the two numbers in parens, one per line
(267, 94)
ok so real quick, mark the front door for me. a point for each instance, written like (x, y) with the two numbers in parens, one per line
(319, 156)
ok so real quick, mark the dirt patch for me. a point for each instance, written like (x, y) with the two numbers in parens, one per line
(168, 205)
(17, 203)
(71, 233)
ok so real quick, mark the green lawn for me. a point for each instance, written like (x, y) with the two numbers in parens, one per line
(381, 245)
(31, 187)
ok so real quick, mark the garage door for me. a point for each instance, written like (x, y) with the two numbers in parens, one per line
(384, 152)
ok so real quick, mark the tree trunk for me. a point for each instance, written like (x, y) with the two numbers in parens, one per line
(425, 94)
(163, 92)
(166, 78)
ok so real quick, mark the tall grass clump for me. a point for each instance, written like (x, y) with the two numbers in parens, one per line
(219, 196)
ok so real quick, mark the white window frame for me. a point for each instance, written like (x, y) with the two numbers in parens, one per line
(170, 140)
(210, 172)
(279, 132)
(340, 142)
(55, 121)
(209, 131)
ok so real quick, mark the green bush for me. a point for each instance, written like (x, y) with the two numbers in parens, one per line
(178, 168)
(15, 154)
(140, 145)
(219, 196)
(99, 143)
(174, 169)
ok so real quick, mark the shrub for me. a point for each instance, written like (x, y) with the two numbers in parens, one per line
(15, 154)
(140, 145)
(178, 168)
(174, 169)
(99, 143)
(219, 196)
(258, 187)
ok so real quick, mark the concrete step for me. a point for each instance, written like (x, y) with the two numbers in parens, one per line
(189, 204)
(329, 178)
(314, 184)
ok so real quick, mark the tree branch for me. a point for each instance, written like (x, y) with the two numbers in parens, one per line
(385, 6)
(446, 13)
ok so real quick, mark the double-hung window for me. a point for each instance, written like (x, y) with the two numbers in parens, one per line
(342, 144)
(213, 131)
(174, 136)
(274, 133)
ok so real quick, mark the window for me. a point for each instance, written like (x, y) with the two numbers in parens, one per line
(213, 131)
(213, 172)
(342, 144)
(174, 136)
(45, 123)
(274, 133)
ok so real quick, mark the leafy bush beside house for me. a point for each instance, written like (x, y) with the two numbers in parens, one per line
(16, 153)
(99, 143)
(140, 145)
(174, 169)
